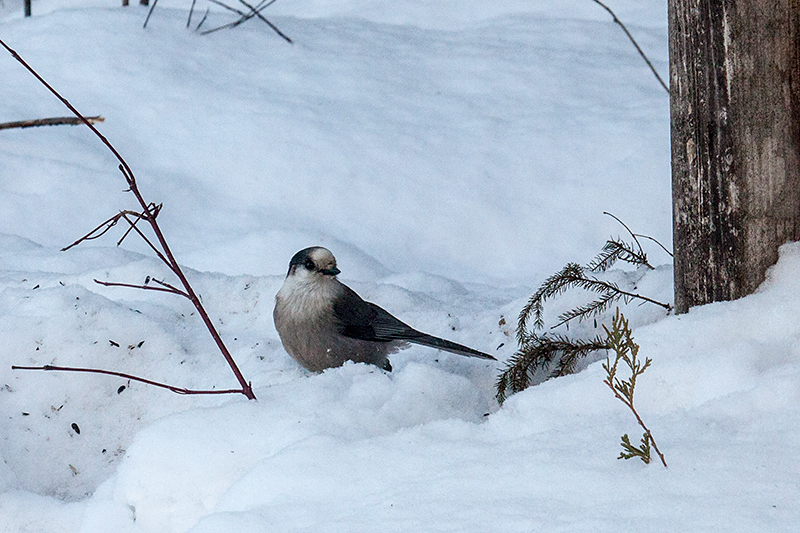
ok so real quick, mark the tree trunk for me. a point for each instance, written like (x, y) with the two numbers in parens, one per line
(735, 120)
(27, 8)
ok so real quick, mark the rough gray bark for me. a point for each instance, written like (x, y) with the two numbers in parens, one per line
(735, 119)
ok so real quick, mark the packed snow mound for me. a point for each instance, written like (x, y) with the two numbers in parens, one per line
(356, 446)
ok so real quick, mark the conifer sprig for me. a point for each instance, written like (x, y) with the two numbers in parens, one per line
(620, 341)
(553, 286)
(537, 353)
(629, 451)
(573, 276)
(615, 250)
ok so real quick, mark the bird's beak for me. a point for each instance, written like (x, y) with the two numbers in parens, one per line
(331, 271)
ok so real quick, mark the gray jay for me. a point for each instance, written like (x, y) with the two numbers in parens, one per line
(322, 323)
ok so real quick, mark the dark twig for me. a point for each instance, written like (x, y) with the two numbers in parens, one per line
(168, 286)
(101, 230)
(191, 10)
(641, 53)
(178, 390)
(655, 241)
(635, 235)
(641, 251)
(257, 12)
(150, 12)
(234, 10)
(149, 214)
(132, 227)
(57, 121)
(202, 20)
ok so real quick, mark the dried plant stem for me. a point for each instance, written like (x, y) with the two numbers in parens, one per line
(149, 213)
(56, 121)
(177, 390)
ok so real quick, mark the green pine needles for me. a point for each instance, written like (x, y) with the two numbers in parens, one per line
(538, 353)
(559, 354)
(626, 351)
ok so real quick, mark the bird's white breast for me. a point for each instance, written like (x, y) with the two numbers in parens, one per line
(305, 299)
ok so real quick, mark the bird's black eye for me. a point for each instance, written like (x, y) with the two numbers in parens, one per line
(309, 264)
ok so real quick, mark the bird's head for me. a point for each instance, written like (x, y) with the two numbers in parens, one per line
(313, 263)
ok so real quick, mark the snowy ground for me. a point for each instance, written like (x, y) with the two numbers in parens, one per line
(452, 155)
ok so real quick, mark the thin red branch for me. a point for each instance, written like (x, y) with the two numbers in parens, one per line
(166, 288)
(168, 258)
(177, 390)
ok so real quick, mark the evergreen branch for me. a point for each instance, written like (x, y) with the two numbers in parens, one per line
(572, 276)
(614, 250)
(553, 286)
(610, 292)
(538, 352)
(598, 285)
(589, 310)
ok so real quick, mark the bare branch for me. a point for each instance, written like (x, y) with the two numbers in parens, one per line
(641, 53)
(655, 241)
(102, 229)
(191, 10)
(56, 121)
(628, 229)
(150, 12)
(165, 288)
(257, 12)
(177, 390)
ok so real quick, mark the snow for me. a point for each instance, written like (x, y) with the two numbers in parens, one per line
(452, 155)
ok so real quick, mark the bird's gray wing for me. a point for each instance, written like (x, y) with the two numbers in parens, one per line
(364, 320)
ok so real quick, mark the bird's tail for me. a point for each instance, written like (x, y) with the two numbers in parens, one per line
(448, 346)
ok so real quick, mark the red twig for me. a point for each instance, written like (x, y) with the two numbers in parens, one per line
(166, 288)
(149, 212)
(178, 390)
